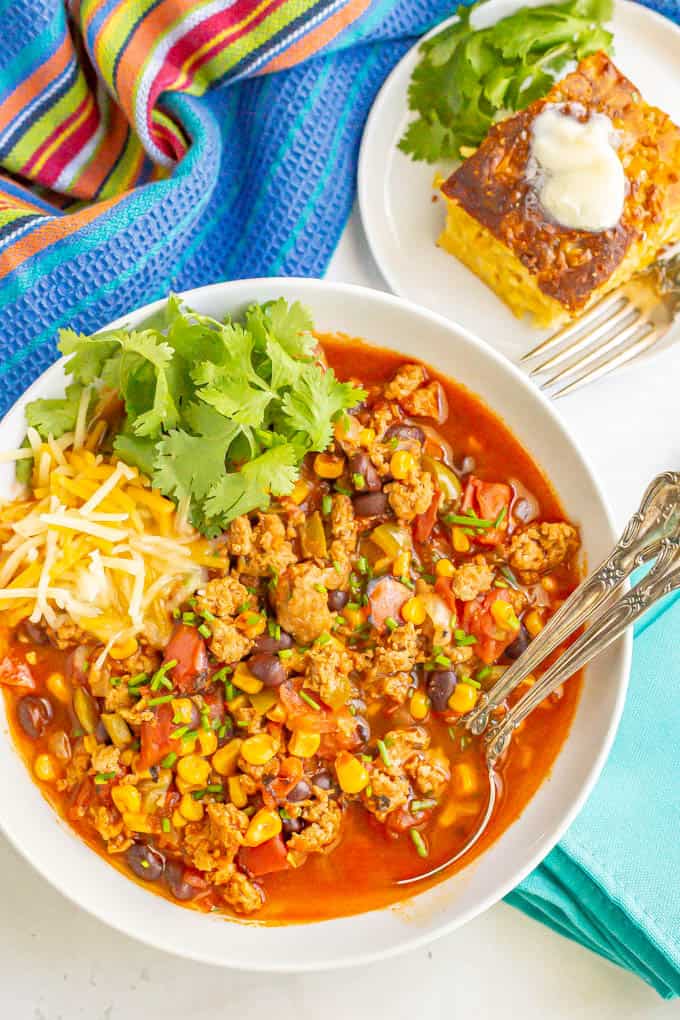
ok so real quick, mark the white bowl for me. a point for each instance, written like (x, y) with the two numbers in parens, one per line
(65, 861)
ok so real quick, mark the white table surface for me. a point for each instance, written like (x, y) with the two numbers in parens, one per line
(57, 963)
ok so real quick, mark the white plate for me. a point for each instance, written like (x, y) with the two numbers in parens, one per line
(79, 873)
(401, 221)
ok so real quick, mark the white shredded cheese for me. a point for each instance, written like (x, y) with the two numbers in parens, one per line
(81, 418)
(121, 471)
(74, 523)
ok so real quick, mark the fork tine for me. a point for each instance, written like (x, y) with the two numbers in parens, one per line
(586, 339)
(616, 340)
(646, 341)
(573, 327)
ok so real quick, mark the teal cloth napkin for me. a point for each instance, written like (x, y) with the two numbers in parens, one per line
(613, 883)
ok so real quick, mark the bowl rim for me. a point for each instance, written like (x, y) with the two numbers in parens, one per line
(543, 846)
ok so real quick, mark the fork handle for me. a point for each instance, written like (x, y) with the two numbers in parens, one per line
(663, 578)
(657, 517)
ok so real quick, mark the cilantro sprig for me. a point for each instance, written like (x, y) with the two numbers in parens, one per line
(468, 78)
(219, 414)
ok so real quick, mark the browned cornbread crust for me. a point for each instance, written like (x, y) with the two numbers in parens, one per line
(573, 267)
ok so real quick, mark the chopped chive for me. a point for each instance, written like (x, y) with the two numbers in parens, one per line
(104, 777)
(198, 794)
(354, 605)
(418, 842)
(326, 505)
(178, 734)
(369, 790)
(244, 606)
(242, 723)
(310, 701)
(422, 805)
(358, 480)
(284, 814)
(362, 565)
(509, 577)
(451, 732)
(215, 788)
(252, 619)
(229, 691)
(138, 680)
(384, 754)
(501, 515)
(321, 588)
(176, 613)
(207, 615)
(221, 675)
(466, 639)
(337, 566)
(483, 673)
(470, 682)
(189, 735)
(165, 824)
(159, 680)
(191, 602)
(342, 490)
(323, 639)
(169, 760)
(204, 630)
(285, 653)
(163, 700)
(189, 618)
(273, 629)
(391, 623)
(468, 521)
(430, 578)
(442, 660)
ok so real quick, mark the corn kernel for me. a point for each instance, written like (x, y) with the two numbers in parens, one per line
(127, 799)
(328, 466)
(207, 740)
(351, 774)
(461, 543)
(178, 820)
(366, 437)
(401, 464)
(419, 705)
(463, 699)
(402, 564)
(464, 779)
(237, 794)
(354, 617)
(277, 714)
(59, 688)
(137, 822)
(504, 615)
(193, 769)
(258, 750)
(125, 649)
(533, 621)
(224, 760)
(444, 568)
(304, 744)
(245, 681)
(301, 490)
(182, 711)
(191, 809)
(183, 786)
(549, 583)
(264, 825)
(251, 624)
(448, 815)
(186, 747)
(413, 611)
(265, 700)
(45, 768)
(31, 657)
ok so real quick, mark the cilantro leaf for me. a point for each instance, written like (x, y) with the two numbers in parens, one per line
(467, 78)
(288, 325)
(134, 450)
(273, 473)
(315, 403)
(55, 417)
(89, 354)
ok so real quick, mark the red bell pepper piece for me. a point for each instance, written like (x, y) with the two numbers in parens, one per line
(187, 648)
(264, 859)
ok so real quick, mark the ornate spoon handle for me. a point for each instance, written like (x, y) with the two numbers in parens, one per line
(657, 518)
(663, 578)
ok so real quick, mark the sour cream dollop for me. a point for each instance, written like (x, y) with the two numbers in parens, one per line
(578, 173)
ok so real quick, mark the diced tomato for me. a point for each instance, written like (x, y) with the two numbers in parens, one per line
(264, 859)
(16, 673)
(155, 736)
(187, 648)
(424, 523)
(290, 773)
(214, 699)
(401, 820)
(301, 716)
(492, 640)
(488, 500)
(443, 588)
(386, 596)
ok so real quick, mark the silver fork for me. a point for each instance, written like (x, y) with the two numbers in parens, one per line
(621, 325)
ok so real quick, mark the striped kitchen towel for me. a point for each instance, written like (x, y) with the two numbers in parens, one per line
(145, 145)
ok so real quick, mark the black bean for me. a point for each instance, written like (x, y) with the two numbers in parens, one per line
(267, 668)
(363, 730)
(301, 791)
(266, 643)
(361, 465)
(440, 687)
(337, 600)
(291, 825)
(34, 715)
(174, 876)
(323, 779)
(145, 861)
(519, 645)
(370, 504)
(405, 432)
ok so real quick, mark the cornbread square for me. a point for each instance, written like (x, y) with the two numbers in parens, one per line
(496, 226)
